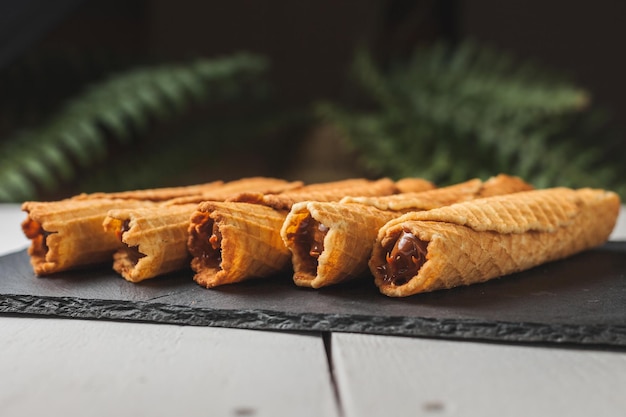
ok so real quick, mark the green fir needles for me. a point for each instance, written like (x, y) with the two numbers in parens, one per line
(115, 110)
(449, 114)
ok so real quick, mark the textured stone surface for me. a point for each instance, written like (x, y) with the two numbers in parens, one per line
(579, 300)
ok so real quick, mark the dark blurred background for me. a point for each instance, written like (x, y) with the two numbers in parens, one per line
(310, 45)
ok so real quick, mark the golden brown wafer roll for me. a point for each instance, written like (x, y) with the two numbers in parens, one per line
(234, 241)
(68, 233)
(230, 189)
(219, 263)
(469, 190)
(413, 185)
(154, 194)
(479, 240)
(332, 242)
(327, 191)
(154, 240)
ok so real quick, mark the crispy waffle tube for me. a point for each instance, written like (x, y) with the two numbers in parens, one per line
(214, 191)
(154, 194)
(154, 240)
(234, 241)
(326, 191)
(68, 233)
(469, 190)
(230, 189)
(476, 241)
(332, 242)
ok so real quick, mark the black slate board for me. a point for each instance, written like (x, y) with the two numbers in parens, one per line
(580, 300)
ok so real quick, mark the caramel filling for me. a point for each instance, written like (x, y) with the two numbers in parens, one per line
(216, 240)
(404, 260)
(38, 235)
(124, 227)
(209, 239)
(309, 241)
(132, 252)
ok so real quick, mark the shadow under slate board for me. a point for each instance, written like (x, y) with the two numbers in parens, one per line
(580, 300)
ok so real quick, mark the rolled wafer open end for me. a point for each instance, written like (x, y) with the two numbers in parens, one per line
(127, 257)
(205, 245)
(331, 242)
(405, 254)
(397, 260)
(304, 236)
(39, 248)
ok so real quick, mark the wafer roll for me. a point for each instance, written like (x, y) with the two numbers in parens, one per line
(479, 240)
(231, 189)
(154, 240)
(327, 191)
(332, 242)
(234, 241)
(469, 190)
(68, 234)
(413, 185)
(154, 194)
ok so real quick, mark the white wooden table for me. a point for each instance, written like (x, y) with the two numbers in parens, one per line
(72, 368)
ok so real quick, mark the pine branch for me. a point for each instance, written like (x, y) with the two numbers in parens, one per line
(79, 134)
(452, 114)
(199, 150)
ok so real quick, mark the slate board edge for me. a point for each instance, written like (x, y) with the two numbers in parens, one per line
(457, 329)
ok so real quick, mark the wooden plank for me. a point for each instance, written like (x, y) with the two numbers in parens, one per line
(392, 376)
(98, 368)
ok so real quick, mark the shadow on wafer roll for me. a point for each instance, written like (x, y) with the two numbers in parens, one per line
(475, 241)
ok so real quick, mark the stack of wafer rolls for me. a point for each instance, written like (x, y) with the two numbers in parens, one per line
(475, 241)
(334, 191)
(468, 190)
(331, 242)
(240, 239)
(154, 239)
(231, 189)
(410, 235)
(69, 233)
